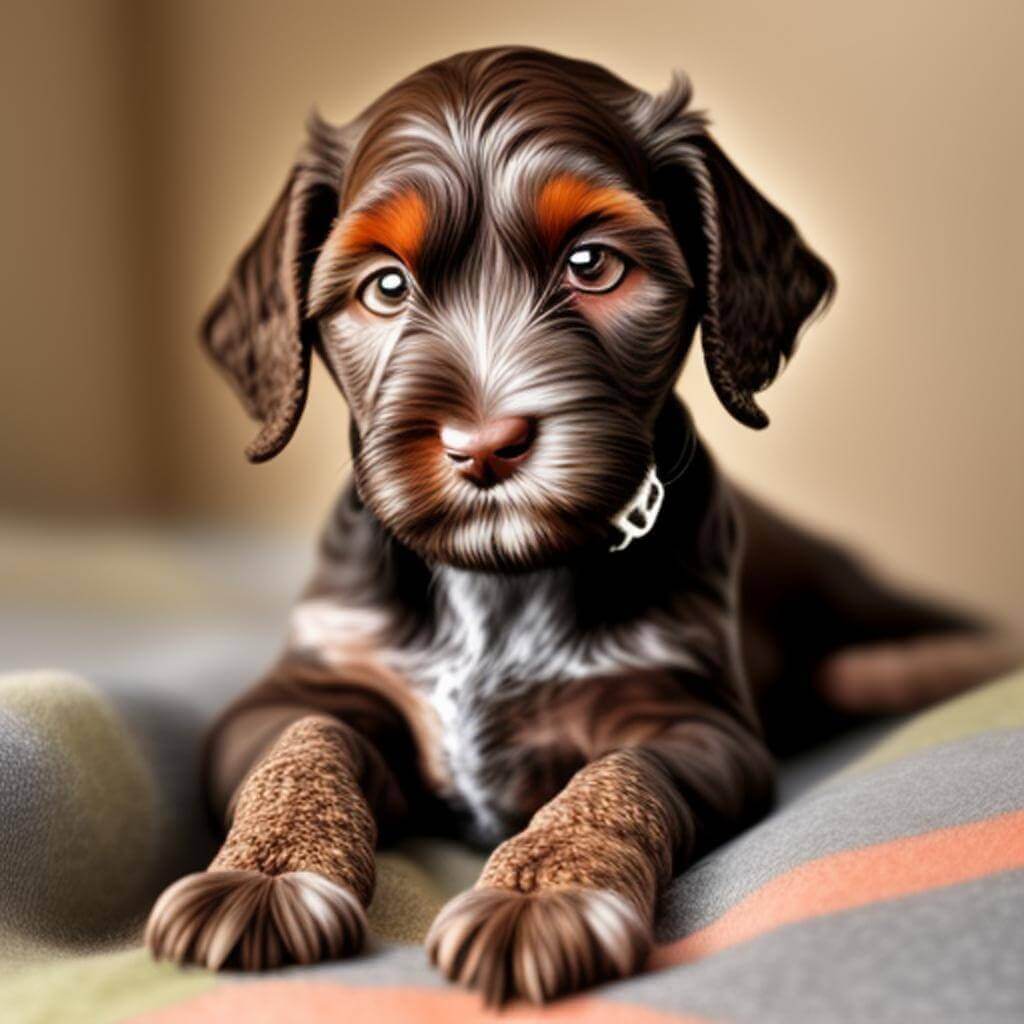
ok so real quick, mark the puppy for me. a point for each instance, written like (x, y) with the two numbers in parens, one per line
(532, 624)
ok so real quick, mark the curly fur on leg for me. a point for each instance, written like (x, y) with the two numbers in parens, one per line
(569, 901)
(290, 883)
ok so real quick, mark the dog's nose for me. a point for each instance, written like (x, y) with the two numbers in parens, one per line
(491, 451)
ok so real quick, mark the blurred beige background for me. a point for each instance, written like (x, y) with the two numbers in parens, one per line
(144, 141)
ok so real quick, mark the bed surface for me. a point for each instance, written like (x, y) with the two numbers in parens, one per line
(889, 884)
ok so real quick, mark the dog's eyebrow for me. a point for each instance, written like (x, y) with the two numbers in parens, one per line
(397, 222)
(565, 200)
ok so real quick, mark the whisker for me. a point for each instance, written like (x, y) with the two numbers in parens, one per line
(686, 454)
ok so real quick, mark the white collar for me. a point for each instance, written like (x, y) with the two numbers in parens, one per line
(638, 516)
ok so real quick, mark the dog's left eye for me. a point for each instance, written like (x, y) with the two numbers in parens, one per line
(594, 268)
(385, 292)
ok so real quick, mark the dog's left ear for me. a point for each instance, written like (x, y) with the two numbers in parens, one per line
(759, 281)
(257, 329)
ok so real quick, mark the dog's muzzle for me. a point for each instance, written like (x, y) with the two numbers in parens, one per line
(637, 517)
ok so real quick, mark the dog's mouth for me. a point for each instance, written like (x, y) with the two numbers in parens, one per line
(592, 487)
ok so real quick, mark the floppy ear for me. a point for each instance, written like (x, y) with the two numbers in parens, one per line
(758, 279)
(257, 329)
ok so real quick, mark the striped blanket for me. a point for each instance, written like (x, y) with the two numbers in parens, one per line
(891, 890)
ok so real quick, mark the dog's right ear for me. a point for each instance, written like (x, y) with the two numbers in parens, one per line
(257, 329)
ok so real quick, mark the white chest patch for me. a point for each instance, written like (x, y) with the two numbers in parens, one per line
(499, 645)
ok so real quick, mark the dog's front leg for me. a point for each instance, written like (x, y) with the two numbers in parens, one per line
(570, 901)
(296, 870)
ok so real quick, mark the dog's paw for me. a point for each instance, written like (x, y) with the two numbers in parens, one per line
(537, 945)
(254, 921)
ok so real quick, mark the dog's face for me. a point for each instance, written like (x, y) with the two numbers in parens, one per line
(504, 312)
(502, 263)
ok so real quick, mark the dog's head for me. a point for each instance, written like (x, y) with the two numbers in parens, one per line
(502, 263)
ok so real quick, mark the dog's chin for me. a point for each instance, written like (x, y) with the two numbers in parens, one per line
(522, 528)
(506, 541)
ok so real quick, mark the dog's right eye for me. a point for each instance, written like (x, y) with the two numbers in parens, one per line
(385, 293)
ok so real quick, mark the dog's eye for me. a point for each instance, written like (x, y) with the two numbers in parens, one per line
(384, 294)
(594, 268)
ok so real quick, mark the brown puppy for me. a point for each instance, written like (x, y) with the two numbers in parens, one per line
(526, 624)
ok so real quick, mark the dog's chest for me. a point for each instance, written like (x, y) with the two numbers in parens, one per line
(499, 690)
(491, 654)
(506, 672)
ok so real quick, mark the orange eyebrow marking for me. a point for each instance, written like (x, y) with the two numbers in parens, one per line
(566, 199)
(398, 222)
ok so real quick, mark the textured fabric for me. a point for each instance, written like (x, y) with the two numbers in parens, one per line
(966, 781)
(891, 891)
(78, 806)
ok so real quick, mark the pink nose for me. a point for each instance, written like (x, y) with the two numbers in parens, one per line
(491, 451)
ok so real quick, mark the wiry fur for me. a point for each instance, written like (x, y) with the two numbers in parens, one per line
(498, 670)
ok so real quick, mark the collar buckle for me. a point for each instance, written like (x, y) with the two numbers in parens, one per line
(638, 516)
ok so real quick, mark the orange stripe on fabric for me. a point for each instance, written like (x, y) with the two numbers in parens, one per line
(398, 222)
(856, 878)
(565, 200)
(270, 1002)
